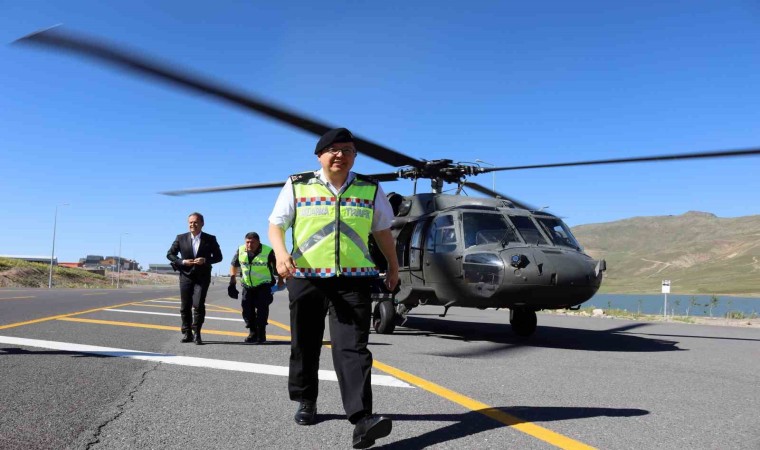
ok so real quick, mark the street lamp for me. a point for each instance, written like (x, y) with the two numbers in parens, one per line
(118, 274)
(52, 254)
(493, 174)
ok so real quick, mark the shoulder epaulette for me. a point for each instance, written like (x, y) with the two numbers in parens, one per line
(302, 177)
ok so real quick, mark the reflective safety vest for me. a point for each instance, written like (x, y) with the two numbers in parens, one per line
(255, 272)
(331, 233)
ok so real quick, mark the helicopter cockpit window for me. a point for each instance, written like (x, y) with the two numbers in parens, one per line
(442, 237)
(558, 232)
(486, 228)
(528, 230)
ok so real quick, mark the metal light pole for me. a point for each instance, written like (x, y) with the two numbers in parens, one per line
(118, 274)
(493, 174)
(52, 254)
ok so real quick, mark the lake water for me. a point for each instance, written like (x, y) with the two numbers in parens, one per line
(679, 305)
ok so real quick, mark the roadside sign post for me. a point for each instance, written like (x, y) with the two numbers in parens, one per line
(665, 291)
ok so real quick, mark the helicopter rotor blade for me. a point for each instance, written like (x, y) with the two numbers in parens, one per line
(392, 176)
(489, 192)
(236, 187)
(95, 49)
(716, 154)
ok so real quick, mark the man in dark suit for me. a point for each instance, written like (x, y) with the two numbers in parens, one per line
(197, 252)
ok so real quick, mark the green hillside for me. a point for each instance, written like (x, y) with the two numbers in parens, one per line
(22, 274)
(699, 252)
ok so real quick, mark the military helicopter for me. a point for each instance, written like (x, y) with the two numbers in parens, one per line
(453, 250)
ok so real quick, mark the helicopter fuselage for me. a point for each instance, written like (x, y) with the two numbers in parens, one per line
(486, 253)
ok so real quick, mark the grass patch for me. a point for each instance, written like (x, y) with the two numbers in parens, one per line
(24, 274)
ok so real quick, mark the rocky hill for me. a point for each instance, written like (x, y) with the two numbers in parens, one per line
(699, 252)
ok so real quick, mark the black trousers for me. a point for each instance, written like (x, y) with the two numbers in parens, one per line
(255, 302)
(192, 293)
(349, 305)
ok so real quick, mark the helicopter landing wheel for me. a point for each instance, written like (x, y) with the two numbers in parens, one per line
(523, 321)
(384, 317)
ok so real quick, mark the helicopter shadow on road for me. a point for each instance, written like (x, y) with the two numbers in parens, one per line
(610, 340)
(473, 422)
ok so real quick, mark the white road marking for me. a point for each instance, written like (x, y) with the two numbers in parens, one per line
(326, 375)
(169, 314)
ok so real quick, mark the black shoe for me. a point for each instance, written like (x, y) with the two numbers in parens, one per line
(198, 340)
(251, 337)
(187, 337)
(306, 413)
(262, 335)
(369, 429)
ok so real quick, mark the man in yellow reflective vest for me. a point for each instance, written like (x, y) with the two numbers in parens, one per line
(256, 264)
(332, 212)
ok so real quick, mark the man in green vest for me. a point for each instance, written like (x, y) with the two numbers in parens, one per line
(257, 266)
(332, 212)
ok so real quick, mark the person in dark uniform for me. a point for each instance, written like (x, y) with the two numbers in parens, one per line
(257, 265)
(197, 252)
(332, 212)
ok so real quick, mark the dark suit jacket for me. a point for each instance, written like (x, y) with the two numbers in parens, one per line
(183, 246)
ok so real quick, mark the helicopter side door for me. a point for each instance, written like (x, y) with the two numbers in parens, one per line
(409, 252)
(442, 258)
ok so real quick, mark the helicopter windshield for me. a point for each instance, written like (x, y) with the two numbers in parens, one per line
(558, 232)
(486, 228)
(528, 230)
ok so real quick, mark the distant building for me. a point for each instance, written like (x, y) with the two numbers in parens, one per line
(93, 262)
(72, 265)
(161, 268)
(109, 262)
(37, 259)
(126, 263)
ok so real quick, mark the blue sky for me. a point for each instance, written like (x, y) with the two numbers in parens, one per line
(510, 83)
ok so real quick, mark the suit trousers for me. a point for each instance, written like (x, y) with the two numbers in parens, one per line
(192, 292)
(347, 302)
(255, 302)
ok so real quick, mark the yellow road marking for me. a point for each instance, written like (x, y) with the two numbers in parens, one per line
(166, 327)
(509, 420)
(13, 298)
(45, 319)
(270, 321)
(177, 307)
(517, 423)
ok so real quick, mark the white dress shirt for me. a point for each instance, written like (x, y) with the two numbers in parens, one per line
(196, 241)
(284, 208)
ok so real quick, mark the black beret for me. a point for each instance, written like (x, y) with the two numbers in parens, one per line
(333, 136)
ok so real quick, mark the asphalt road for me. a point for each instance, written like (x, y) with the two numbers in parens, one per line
(104, 369)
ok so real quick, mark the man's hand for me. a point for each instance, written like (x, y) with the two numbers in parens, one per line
(391, 279)
(286, 266)
(199, 261)
(188, 262)
(385, 242)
